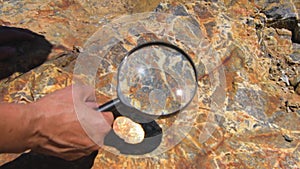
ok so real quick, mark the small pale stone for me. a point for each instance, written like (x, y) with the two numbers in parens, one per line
(128, 130)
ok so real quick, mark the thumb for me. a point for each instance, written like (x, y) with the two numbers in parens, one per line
(108, 116)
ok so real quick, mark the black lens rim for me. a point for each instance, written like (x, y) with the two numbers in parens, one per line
(166, 44)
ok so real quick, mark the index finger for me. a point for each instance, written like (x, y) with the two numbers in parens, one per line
(84, 93)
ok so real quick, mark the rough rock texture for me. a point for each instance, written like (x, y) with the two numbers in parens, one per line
(128, 130)
(257, 42)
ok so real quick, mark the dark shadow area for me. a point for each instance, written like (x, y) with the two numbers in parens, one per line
(38, 161)
(21, 50)
(290, 24)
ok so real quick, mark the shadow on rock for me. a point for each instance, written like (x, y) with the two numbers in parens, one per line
(39, 161)
(25, 50)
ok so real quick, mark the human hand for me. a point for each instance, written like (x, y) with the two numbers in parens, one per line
(57, 129)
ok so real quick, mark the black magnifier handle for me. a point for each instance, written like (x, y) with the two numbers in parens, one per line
(111, 106)
(153, 132)
(120, 109)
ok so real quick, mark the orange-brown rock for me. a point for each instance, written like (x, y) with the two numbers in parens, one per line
(256, 125)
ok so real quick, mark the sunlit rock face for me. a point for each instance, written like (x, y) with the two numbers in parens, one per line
(257, 44)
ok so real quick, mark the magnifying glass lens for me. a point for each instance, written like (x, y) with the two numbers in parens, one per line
(157, 80)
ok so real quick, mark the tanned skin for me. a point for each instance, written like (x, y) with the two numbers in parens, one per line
(51, 125)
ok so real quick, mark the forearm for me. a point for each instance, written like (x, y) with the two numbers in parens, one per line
(16, 127)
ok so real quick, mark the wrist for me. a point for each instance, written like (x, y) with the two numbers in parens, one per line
(33, 125)
(17, 127)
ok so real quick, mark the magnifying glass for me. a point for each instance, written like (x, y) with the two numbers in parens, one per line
(154, 80)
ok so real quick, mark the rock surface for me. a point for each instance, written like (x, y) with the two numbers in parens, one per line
(257, 43)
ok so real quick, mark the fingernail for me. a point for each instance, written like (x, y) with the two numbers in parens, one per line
(92, 105)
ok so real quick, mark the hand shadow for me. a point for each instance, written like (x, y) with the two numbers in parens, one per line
(29, 50)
